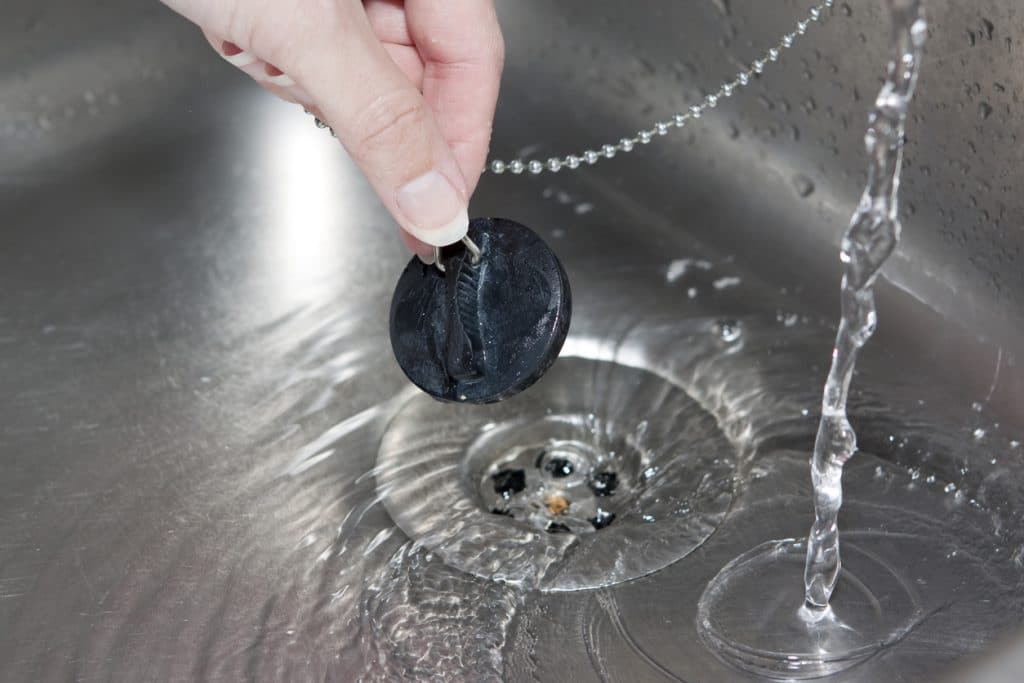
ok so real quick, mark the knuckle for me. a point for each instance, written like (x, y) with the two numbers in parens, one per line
(486, 54)
(390, 120)
(239, 24)
(266, 38)
(276, 33)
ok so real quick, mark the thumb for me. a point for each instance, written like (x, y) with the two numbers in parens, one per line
(387, 126)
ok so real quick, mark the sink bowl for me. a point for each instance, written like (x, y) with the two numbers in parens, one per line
(197, 379)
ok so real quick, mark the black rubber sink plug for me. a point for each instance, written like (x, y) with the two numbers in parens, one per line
(479, 330)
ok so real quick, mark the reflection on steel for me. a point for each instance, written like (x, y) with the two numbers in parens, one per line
(194, 378)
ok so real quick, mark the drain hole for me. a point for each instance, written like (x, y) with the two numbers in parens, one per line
(507, 483)
(558, 467)
(604, 483)
(602, 519)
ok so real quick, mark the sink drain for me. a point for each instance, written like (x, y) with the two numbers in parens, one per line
(533, 474)
(599, 474)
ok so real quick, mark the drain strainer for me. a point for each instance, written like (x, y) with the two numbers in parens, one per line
(599, 474)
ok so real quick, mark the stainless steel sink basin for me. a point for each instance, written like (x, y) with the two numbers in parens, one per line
(194, 285)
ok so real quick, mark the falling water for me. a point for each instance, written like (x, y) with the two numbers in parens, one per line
(873, 235)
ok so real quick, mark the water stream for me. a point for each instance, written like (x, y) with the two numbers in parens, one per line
(873, 235)
(812, 637)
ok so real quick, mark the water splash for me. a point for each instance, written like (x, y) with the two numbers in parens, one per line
(873, 235)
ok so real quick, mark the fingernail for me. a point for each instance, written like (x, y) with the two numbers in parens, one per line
(278, 77)
(434, 211)
(284, 80)
(428, 259)
(236, 55)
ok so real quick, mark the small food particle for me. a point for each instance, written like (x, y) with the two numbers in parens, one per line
(556, 505)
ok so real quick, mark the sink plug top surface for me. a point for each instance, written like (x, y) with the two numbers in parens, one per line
(487, 319)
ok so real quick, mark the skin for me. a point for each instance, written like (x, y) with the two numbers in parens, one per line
(409, 86)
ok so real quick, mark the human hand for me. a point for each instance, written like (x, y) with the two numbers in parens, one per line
(409, 87)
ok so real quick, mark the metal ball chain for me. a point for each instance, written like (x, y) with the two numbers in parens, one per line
(678, 120)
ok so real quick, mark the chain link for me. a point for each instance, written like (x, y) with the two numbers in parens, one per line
(678, 120)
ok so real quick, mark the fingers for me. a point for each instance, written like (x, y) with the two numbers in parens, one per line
(407, 58)
(421, 249)
(387, 17)
(463, 52)
(387, 127)
(330, 50)
(267, 75)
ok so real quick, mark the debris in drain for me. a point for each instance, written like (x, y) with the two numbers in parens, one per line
(507, 483)
(556, 505)
(604, 483)
(602, 519)
(558, 467)
(557, 528)
(500, 511)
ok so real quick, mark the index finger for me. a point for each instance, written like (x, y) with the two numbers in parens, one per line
(463, 53)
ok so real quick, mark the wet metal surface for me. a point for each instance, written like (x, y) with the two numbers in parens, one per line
(195, 380)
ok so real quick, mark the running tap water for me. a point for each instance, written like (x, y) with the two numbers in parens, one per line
(873, 235)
